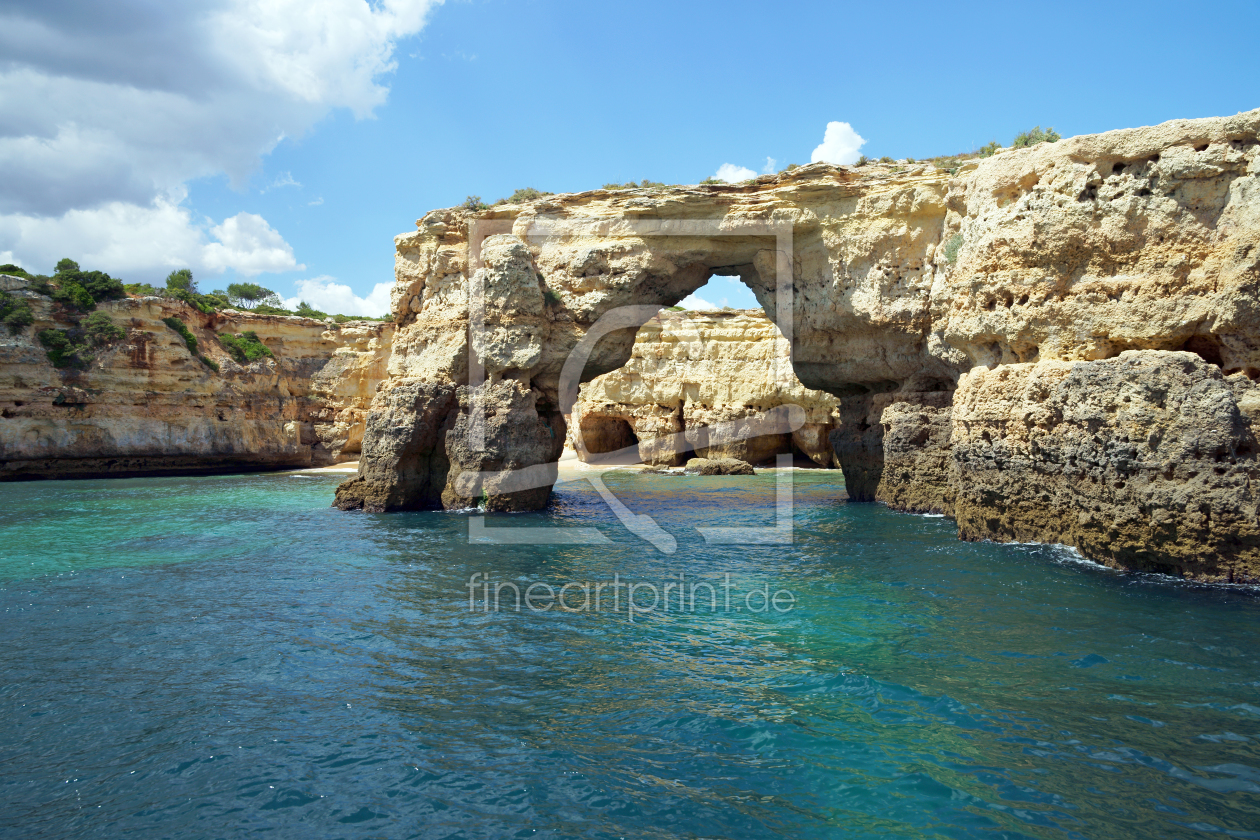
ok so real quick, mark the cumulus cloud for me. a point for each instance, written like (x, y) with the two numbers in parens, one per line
(693, 302)
(327, 295)
(125, 102)
(840, 145)
(732, 174)
(771, 166)
(146, 242)
(247, 243)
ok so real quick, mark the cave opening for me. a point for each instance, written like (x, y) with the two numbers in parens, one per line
(609, 440)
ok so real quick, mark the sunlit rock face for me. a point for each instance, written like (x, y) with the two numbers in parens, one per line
(147, 404)
(697, 382)
(897, 283)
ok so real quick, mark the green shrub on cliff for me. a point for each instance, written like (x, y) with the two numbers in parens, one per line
(66, 348)
(99, 330)
(141, 289)
(71, 294)
(523, 195)
(1034, 136)
(951, 248)
(246, 347)
(307, 311)
(189, 339)
(15, 312)
(474, 204)
(13, 270)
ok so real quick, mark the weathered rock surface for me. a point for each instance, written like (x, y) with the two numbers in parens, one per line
(903, 281)
(719, 466)
(693, 381)
(146, 404)
(1143, 461)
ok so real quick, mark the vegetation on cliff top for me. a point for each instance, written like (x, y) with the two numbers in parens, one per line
(80, 291)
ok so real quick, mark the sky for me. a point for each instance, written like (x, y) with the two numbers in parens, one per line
(286, 142)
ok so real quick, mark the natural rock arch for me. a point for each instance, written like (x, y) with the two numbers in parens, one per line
(918, 295)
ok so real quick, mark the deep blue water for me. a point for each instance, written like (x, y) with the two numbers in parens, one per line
(230, 657)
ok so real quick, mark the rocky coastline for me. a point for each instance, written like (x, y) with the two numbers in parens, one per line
(148, 405)
(1057, 343)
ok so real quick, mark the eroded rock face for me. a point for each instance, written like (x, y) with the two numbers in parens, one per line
(904, 282)
(1143, 461)
(693, 381)
(146, 404)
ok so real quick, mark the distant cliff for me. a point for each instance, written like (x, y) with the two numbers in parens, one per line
(145, 403)
(694, 382)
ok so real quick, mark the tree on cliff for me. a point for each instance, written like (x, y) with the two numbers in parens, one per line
(251, 295)
(181, 280)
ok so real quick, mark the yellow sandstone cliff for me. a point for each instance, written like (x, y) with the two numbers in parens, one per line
(146, 404)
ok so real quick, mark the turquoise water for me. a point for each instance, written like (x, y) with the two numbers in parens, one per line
(229, 657)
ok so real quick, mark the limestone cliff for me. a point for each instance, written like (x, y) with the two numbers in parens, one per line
(900, 288)
(146, 404)
(692, 376)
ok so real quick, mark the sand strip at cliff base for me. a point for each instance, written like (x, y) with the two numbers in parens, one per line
(347, 467)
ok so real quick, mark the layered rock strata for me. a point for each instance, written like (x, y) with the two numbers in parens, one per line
(693, 382)
(904, 286)
(147, 404)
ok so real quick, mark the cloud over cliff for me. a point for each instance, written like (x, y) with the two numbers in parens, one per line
(840, 145)
(110, 109)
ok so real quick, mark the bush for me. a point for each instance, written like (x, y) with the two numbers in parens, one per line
(66, 348)
(141, 290)
(189, 339)
(989, 149)
(645, 184)
(862, 161)
(101, 286)
(66, 266)
(522, 195)
(210, 363)
(951, 248)
(13, 270)
(71, 294)
(201, 303)
(552, 298)
(1034, 136)
(268, 309)
(246, 347)
(307, 311)
(99, 330)
(474, 204)
(15, 312)
(886, 159)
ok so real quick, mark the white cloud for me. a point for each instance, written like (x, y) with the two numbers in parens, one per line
(284, 179)
(771, 166)
(693, 302)
(249, 245)
(327, 295)
(143, 243)
(123, 103)
(840, 145)
(317, 202)
(732, 174)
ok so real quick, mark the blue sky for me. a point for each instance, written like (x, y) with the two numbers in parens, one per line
(491, 95)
